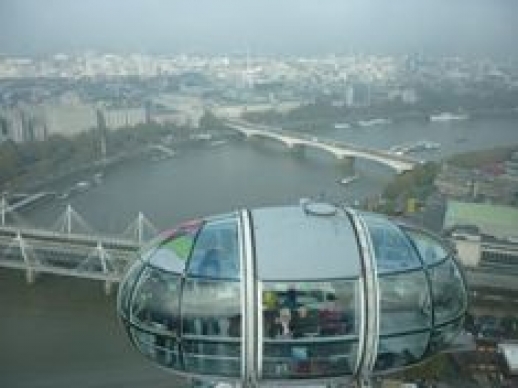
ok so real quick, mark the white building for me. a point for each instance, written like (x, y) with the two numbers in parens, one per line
(124, 117)
(69, 119)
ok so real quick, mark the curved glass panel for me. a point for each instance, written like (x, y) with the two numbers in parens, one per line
(216, 254)
(126, 287)
(392, 248)
(310, 329)
(401, 350)
(171, 250)
(449, 293)
(154, 316)
(211, 328)
(443, 336)
(154, 305)
(157, 347)
(430, 248)
(404, 303)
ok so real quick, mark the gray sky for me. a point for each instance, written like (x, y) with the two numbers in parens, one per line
(465, 27)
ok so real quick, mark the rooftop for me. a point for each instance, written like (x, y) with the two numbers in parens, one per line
(494, 220)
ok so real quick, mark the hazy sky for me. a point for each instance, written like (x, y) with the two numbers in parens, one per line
(477, 27)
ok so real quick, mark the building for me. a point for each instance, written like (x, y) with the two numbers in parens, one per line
(479, 185)
(485, 235)
(23, 123)
(124, 117)
(69, 119)
(292, 294)
(237, 110)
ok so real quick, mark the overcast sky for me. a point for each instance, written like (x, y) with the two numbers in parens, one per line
(464, 27)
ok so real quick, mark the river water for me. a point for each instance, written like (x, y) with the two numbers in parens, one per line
(218, 178)
(63, 332)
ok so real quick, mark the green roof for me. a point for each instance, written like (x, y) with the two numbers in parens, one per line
(494, 220)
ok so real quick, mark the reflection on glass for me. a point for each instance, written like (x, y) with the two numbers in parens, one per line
(430, 248)
(216, 254)
(179, 240)
(443, 336)
(307, 358)
(404, 302)
(127, 286)
(449, 297)
(212, 357)
(399, 351)
(211, 312)
(155, 302)
(310, 328)
(159, 348)
(392, 248)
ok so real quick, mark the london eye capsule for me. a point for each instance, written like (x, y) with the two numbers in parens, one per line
(293, 294)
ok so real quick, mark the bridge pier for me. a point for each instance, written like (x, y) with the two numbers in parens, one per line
(346, 161)
(30, 275)
(108, 285)
(296, 149)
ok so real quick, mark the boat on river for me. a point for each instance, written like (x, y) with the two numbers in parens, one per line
(347, 180)
(447, 116)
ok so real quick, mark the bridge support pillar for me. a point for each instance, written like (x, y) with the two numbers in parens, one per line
(346, 161)
(30, 275)
(108, 285)
(296, 149)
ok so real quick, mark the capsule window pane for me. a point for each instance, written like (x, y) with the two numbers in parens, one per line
(430, 248)
(404, 303)
(391, 247)
(211, 311)
(449, 295)
(309, 359)
(212, 357)
(400, 351)
(179, 240)
(159, 348)
(154, 305)
(171, 250)
(310, 329)
(126, 289)
(216, 254)
(443, 336)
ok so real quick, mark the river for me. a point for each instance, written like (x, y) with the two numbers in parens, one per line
(63, 332)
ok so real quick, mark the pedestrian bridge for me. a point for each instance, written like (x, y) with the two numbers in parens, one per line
(340, 150)
(71, 248)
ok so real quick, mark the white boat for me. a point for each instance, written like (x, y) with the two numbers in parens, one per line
(216, 143)
(431, 145)
(349, 179)
(82, 186)
(447, 116)
(370, 123)
(98, 178)
(399, 149)
(342, 126)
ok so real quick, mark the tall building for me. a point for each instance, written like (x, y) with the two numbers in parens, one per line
(22, 124)
(69, 119)
(101, 127)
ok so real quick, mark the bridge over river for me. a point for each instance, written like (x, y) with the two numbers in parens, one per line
(72, 248)
(340, 150)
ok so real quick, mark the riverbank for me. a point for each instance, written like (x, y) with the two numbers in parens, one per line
(70, 176)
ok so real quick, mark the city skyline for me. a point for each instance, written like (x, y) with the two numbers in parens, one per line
(474, 28)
